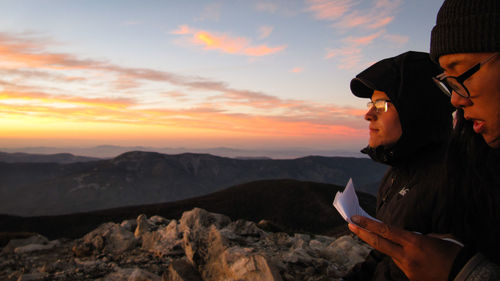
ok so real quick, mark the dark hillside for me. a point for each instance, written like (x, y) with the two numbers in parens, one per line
(294, 206)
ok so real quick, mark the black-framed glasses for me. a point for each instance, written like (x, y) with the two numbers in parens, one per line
(449, 84)
(380, 105)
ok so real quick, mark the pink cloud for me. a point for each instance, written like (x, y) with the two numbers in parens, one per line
(297, 70)
(381, 22)
(349, 57)
(345, 13)
(215, 112)
(364, 40)
(227, 44)
(181, 30)
(328, 9)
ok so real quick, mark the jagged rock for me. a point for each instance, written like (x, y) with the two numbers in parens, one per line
(239, 264)
(131, 274)
(346, 251)
(143, 226)
(158, 220)
(15, 243)
(165, 241)
(200, 246)
(108, 238)
(36, 247)
(270, 226)
(243, 228)
(181, 270)
(129, 225)
(199, 218)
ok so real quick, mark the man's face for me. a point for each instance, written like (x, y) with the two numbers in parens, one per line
(483, 106)
(385, 127)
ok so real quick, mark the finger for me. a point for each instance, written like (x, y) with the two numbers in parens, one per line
(378, 242)
(396, 235)
(400, 265)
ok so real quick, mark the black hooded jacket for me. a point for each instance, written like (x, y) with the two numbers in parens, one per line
(407, 196)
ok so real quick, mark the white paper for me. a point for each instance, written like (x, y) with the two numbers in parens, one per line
(347, 204)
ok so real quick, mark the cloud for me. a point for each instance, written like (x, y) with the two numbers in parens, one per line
(366, 21)
(349, 57)
(296, 70)
(346, 14)
(77, 95)
(265, 31)
(182, 30)
(328, 9)
(364, 40)
(225, 43)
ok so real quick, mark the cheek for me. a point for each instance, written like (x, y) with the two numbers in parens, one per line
(394, 129)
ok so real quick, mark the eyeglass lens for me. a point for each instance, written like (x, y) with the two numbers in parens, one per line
(380, 105)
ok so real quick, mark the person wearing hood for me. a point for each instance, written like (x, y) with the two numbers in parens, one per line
(410, 123)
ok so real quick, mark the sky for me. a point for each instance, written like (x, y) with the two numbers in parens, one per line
(229, 73)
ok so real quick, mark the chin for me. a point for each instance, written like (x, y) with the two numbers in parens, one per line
(493, 143)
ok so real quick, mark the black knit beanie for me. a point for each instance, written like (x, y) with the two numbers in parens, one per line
(466, 26)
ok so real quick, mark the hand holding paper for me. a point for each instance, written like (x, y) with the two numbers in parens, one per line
(348, 205)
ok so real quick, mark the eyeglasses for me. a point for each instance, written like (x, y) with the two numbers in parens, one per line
(380, 105)
(448, 84)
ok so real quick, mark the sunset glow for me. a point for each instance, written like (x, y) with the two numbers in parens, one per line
(263, 74)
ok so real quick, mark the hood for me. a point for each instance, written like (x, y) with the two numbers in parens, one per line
(424, 111)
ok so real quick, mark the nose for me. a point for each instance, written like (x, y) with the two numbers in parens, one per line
(459, 101)
(370, 115)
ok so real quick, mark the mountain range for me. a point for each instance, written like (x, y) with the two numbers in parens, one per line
(138, 178)
(110, 151)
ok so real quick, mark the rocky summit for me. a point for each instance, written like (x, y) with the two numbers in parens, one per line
(199, 246)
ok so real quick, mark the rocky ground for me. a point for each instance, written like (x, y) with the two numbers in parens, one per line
(199, 246)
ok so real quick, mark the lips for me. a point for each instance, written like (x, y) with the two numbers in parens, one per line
(478, 126)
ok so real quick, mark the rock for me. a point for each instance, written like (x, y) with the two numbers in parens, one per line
(346, 251)
(108, 238)
(132, 274)
(157, 220)
(243, 228)
(15, 243)
(181, 270)
(143, 226)
(129, 225)
(164, 241)
(268, 225)
(199, 218)
(242, 265)
(199, 246)
(36, 247)
(32, 276)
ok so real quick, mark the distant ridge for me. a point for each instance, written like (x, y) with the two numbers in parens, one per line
(110, 151)
(62, 158)
(137, 178)
(291, 205)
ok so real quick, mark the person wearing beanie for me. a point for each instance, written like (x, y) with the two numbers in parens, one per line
(466, 43)
(410, 123)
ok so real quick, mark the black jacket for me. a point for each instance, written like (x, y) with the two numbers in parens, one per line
(407, 196)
